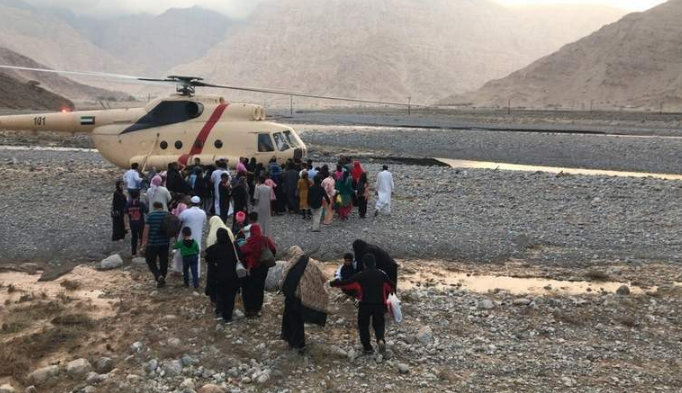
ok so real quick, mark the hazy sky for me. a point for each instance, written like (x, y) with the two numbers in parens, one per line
(241, 8)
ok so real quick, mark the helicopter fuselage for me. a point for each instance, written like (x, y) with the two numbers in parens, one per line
(175, 129)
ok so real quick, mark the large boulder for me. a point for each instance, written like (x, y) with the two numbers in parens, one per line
(113, 262)
(211, 388)
(274, 278)
(78, 368)
(43, 375)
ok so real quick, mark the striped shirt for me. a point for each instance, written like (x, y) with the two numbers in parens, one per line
(155, 220)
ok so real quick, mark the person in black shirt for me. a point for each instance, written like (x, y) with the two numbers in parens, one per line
(372, 284)
(316, 194)
(222, 281)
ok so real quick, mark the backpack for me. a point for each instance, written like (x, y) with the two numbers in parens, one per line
(170, 226)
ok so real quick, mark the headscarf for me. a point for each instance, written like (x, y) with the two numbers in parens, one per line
(223, 236)
(181, 207)
(357, 171)
(156, 183)
(214, 224)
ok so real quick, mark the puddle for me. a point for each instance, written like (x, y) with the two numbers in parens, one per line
(466, 164)
(513, 285)
(419, 275)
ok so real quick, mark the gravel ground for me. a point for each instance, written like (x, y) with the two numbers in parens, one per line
(56, 208)
(636, 154)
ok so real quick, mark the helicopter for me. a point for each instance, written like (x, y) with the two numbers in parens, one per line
(180, 128)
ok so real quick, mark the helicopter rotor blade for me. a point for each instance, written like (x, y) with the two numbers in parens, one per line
(87, 73)
(305, 95)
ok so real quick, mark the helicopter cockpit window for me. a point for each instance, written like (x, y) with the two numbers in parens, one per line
(166, 113)
(291, 139)
(265, 143)
(280, 142)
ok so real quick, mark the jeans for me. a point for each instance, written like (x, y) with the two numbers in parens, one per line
(376, 313)
(161, 252)
(191, 262)
(135, 237)
(317, 216)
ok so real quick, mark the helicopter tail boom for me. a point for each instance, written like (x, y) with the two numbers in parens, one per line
(76, 122)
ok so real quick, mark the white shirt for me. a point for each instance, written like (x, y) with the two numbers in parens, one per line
(132, 179)
(158, 194)
(385, 182)
(195, 219)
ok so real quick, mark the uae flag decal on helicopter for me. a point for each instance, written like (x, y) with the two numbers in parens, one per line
(87, 120)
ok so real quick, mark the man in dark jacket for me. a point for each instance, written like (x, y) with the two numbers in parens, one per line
(316, 194)
(372, 284)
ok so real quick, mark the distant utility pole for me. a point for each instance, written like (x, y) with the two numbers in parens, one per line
(291, 105)
(660, 112)
(509, 107)
(409, 106)
(591, 105)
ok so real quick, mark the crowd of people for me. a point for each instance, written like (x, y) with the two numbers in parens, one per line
(169, 211)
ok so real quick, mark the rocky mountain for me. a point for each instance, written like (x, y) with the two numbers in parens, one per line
(636, 62)
(150, 44)
(53, 82)
(18, 94)
(50, 40)
(383, 49)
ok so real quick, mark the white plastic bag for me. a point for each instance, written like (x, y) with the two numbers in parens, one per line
(241, 270)
(393, 305)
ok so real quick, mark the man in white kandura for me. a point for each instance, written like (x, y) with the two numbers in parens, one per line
(384, 191)
(215, 178)
(195, 219)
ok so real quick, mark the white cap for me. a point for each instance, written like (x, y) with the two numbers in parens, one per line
(196, 200)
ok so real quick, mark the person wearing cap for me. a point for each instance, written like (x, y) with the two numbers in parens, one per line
(194, 218)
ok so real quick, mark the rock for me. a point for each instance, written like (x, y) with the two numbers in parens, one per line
(623, 290)
(187, 384)
(174, 342)
(425, 335)
(211, 388)
(136, 347)
(31, 389)
(104, 365)
(403, 368)
(172, 368)
(339, 352)
(521, 302)
(246, 380)
(112, 262)
(95, 379)
(152, 365)
(187, 360)
(274, 277)
(139, 261)
(486, 304)
(43, 375)
(7, 388)
(263, 378)
(78, 368)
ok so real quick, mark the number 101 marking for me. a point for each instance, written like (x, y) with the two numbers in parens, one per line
(40, 121)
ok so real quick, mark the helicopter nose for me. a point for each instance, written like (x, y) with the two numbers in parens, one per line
(298, 154)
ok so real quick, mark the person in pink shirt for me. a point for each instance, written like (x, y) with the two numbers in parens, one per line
(270, 183)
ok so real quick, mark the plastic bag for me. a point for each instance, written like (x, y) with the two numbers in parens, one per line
(393, 305)
(241, 270)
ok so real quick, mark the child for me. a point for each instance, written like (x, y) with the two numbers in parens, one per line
(135, 210)
(346, 271)
(189, 249)
(238, 227)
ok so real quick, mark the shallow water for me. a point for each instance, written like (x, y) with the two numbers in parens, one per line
(466, 164)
